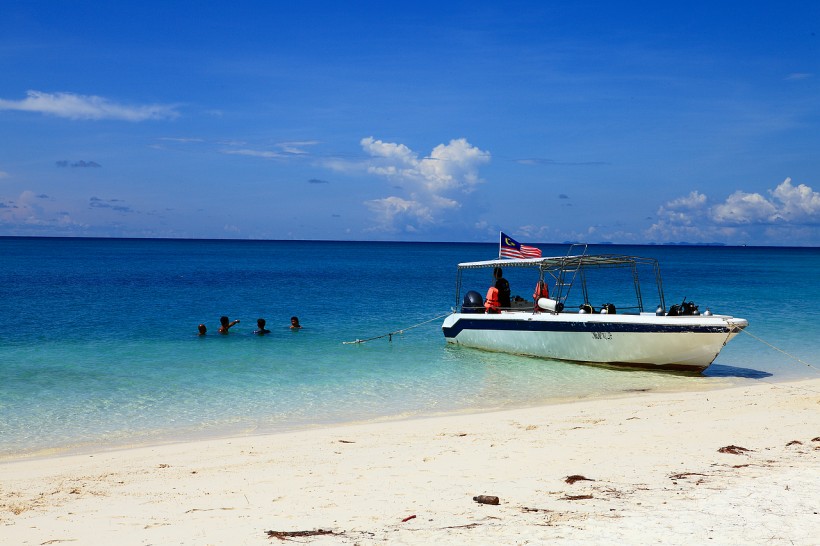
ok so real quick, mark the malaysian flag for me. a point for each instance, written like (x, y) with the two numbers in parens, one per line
(510, 248)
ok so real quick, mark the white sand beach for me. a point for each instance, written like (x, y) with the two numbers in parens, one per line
(733, 466)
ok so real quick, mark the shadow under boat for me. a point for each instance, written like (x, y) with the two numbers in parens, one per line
(722, 370)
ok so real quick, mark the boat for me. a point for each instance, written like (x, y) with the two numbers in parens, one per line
(566, 326)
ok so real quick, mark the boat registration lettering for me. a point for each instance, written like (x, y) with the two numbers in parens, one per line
(602, 335)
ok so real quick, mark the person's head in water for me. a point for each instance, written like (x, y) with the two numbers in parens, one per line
(294, 322)
(226, 324)
(260, 327)
(202, 329)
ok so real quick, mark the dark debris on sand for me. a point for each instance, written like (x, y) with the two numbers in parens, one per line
(577, 478)
(734, 450)
(285, 535)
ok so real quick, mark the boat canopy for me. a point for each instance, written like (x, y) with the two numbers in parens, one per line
(565, 262)
(566, 270)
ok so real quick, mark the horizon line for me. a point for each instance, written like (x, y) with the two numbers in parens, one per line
(228, 239)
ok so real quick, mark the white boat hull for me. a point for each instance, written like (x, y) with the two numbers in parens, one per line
(648, 341)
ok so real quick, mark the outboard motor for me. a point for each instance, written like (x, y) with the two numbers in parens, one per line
(473, 303)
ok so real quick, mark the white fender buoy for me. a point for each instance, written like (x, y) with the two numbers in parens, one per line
(547, 304)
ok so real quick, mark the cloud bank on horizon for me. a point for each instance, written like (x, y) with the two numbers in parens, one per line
(548, 122)
(787, 212)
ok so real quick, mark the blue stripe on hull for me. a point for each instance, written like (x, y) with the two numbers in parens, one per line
(577, 326)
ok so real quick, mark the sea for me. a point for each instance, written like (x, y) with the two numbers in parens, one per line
(100, 347)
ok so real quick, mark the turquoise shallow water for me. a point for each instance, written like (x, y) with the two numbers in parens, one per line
(100, 344)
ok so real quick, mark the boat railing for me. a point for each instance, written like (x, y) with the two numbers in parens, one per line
(568, 271)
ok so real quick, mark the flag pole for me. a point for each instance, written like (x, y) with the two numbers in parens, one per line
(500, 235)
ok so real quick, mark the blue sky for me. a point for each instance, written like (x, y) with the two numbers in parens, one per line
(421, 121)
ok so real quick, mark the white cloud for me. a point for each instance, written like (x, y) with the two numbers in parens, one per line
(800, 204)
(788, 204)
(454, 165)
(398, 152)
(297, 147)
(449, 166)
(264, 154)
(397, 211)
(433, 183)
(693, 201)
(533, 233)
(743, 216)
(182, 140)
(73, 106)
(680, 219)
(744, 208)
(285, 150)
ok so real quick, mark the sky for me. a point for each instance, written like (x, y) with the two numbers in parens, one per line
(622, 122)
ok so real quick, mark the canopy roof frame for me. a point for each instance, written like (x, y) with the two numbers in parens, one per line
(558, 266)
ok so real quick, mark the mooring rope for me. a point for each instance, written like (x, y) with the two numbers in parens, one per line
(781, 350)
(389, 335)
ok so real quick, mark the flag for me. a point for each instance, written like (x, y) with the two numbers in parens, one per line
(510, 248)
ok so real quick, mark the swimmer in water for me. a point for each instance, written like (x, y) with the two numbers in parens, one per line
(202, 330)
(294, 323)
(226, 324)
(261, 330)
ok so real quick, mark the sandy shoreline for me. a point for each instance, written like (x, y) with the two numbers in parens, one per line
(652, 462)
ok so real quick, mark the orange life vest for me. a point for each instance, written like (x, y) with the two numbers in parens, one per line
(541, 291)
(491, 303)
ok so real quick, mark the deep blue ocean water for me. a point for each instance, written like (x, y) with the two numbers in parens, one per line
(100, 344)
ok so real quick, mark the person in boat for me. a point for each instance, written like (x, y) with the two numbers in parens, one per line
(260, 327)
(503, 289)
(226, 324)
(294, 323)
(202, 330)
